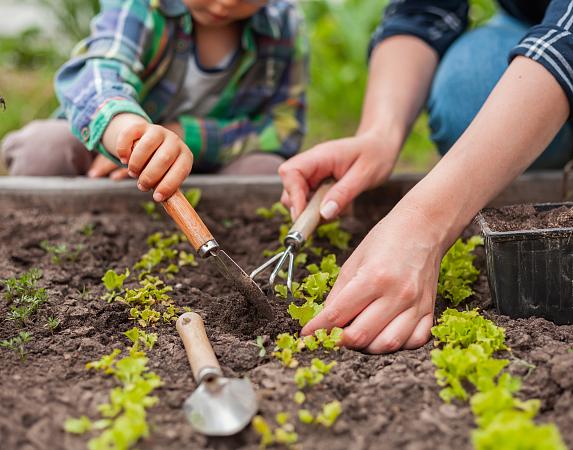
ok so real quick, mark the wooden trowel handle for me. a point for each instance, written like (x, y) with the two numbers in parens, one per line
(310, 217)
(199, 351)
(187, 220)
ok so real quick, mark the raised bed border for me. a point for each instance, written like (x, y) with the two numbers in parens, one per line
(233, 193)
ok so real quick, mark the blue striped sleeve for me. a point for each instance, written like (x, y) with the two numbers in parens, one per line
(551, 44)
(438, 23)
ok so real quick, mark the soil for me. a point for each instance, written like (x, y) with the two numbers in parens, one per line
(528, 217)
(389, 401)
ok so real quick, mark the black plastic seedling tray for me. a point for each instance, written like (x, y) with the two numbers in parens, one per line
(530, 272)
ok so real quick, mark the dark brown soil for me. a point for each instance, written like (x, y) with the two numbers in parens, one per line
(389, 401)
(528, 217)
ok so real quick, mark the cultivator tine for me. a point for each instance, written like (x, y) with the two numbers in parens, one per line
(279, 265)
(290, 271)
(281, 257)
(262, 267)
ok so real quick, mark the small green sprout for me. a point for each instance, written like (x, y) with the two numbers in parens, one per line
(310, 376)
(24, 296)
(60, 252)
(78, 426)
(261, 345)
(329, 414)
(150, 209)
(193, 196)
(305, 416)
(52, 323)
(299, 397)
(87, 230)
(18, 343)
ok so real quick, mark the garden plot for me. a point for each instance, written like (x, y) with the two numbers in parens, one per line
(361, 402)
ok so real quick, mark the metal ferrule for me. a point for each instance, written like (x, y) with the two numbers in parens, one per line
(295, 239)
(208, 248)
(208, 374)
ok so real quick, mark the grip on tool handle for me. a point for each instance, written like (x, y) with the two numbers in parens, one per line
(310, 217)
(187, 220)
(199, 350)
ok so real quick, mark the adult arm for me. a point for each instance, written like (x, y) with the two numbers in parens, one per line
(404, 53)
(385, 292)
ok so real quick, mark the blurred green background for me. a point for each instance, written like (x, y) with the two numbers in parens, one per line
(339, 32)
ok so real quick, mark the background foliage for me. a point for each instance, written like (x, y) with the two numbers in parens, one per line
(339, 32)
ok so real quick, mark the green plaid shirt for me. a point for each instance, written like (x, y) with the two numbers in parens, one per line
(135, 61)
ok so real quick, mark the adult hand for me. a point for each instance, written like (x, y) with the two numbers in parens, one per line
(385, 293)
(103, 167)
(357, 163)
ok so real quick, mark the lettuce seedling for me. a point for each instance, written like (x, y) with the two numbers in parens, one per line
(305, 312)
(335, 235)
(150, 209)
(193, 196)
(113, 283)
(78, 426)
(463, 328)
(264, 430)
(330, 340)
(329, 414)
(276, 210)
(305, 416)
(138, 336)
(187, 259)
(299, 397)
(516, 430)
(310, 376)
(457, 365)
(457, 271)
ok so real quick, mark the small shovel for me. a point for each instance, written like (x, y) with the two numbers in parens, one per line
(219, 406)
(206, 246)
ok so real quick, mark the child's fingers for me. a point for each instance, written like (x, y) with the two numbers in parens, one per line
(119, 174)
(159, 163)
(175, 176)
(101, 167)
(126, 138)
(144, 149)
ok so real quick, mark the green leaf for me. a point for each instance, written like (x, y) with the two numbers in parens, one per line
(299, 397)
(329, 414)
(457, 272)
(305, 312)
(78, 426)
(193, 196)
(305, 416)
(113, 281)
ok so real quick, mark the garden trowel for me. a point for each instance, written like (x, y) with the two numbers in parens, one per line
(219, 406)
(206, 246)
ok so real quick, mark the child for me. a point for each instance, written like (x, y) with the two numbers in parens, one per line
(224, 79)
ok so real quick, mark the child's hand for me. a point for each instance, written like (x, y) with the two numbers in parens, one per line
(156, 156)
(103, 167)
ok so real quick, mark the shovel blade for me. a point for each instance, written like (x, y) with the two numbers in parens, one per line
(242, 282)
(221, 407)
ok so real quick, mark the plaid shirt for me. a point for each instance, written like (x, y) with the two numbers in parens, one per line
(135, 62)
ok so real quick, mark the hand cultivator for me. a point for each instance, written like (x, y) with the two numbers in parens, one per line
(206, 246)
(296, 237)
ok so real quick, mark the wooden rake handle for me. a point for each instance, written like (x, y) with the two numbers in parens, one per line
(197, 346)
(307, 222)
(187, 220)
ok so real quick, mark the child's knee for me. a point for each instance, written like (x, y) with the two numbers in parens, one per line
(45, 148)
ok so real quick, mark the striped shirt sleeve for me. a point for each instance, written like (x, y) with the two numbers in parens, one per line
(438, 23)
(551, 44)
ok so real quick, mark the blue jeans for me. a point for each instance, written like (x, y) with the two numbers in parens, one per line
(465, 77)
